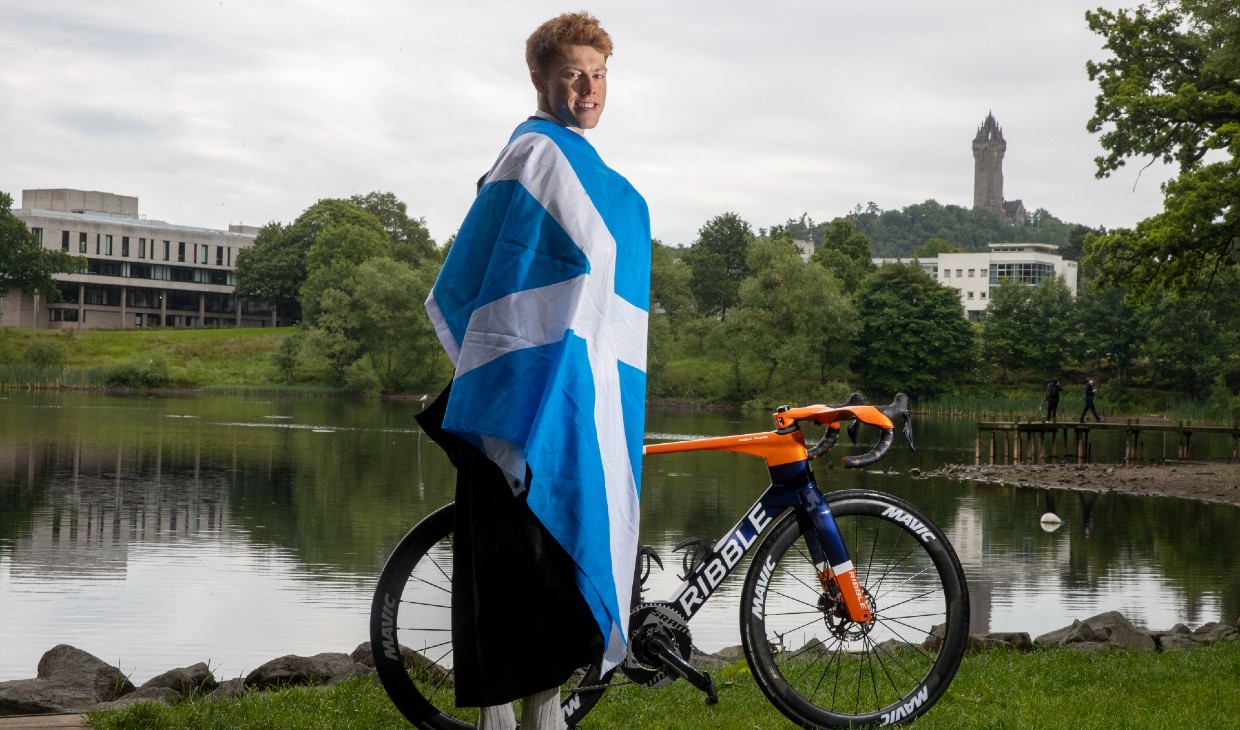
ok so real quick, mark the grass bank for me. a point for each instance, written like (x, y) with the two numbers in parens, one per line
(1049, 688)
(244, 359)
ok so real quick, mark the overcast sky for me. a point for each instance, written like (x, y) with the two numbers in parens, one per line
(248, 111)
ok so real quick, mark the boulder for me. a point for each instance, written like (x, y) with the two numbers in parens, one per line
(165, 695)
(291, 669)
(228, 689)
(185, 681)
(1110, 629)
(69, 680)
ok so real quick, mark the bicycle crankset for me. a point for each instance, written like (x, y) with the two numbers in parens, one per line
(659, 648)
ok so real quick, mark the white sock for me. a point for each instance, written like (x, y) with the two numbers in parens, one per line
(541, 711)
(497, 717)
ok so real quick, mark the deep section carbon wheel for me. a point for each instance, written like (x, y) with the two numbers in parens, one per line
(822, 670)
(411, 634)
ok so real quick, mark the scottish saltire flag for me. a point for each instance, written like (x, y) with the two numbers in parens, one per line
(542, 305)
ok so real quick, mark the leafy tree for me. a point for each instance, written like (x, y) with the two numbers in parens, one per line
(845, 253)
(717, 263)
(1028, 329)
(411, 240)
(337, 250)
(1193, 340)
(914, 336)
(1169, 93)
(372, 329)
(1104, 330)
(275, 268)
(936, 246)
(794, 324)
(24, 263)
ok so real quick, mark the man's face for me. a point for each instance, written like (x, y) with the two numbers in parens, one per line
(573, 88)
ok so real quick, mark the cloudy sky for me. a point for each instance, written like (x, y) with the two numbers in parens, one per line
(214, 112)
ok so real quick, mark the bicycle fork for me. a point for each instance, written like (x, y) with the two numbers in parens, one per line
(831, 559)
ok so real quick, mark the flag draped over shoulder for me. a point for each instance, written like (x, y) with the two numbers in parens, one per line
(542, 307)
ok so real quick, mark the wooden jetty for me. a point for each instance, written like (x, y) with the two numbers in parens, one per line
(1065, 442)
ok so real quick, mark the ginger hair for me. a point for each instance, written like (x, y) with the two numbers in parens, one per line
(549, 41)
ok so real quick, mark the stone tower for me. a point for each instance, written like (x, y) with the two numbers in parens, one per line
(988, 149)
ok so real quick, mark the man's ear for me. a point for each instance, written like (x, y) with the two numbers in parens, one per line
(536, 78)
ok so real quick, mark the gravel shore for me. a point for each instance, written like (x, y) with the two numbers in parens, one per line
(1207, 481)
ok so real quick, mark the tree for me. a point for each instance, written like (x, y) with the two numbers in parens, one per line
(24, 263)
(372, 329)
(274, 269)
(1191, 341)
(1170, 93)
(411, 242)
(1104, 331)
(913, 336)
(936, 246)
(794, 324)
(1028, 329)
(845, 253)
(717, 263)
(337, 250)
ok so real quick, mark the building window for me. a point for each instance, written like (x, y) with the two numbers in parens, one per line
(141, 248)
(107, 244)
(82, 242)
(64, 240)
(970, 295)
(219, 255)
(947, 273)
(971, 272)
(181, 251)
(38, 235)
(98, 243)
(958, 273)
(125, 246)
(167, 249)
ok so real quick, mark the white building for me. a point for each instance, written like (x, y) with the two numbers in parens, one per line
(139, 273)
(973, 275)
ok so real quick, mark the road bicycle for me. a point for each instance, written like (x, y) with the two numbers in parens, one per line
(854, 610)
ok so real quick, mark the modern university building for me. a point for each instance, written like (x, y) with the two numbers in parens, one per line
(139, 272)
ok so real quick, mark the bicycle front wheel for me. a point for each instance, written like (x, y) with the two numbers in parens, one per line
(411, 634)
(821, 670)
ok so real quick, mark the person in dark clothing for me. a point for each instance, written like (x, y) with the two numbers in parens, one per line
(1091, 388)
(1053, 389)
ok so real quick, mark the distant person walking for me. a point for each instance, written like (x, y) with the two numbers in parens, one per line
(1053, 389)
(1091, 389)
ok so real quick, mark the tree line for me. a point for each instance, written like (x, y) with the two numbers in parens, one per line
(741, 315)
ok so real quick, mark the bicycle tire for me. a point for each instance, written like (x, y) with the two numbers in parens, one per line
(411, 634)
(824, 672)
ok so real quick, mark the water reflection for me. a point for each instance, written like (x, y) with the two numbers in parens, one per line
(158, 532)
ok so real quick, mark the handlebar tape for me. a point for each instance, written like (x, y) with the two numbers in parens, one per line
(884, 443)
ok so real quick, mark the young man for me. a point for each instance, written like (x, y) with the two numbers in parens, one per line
(1091, 388)
(542, 305)
(1053, 389)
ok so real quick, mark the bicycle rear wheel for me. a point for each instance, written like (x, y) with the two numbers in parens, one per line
(824, 671)
(411, 634)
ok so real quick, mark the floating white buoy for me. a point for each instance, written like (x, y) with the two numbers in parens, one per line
(1050, 522)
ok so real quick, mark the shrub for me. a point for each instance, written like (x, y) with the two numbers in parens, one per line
(46, 355)
(151, 373)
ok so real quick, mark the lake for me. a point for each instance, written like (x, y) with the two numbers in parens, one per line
(156, 532)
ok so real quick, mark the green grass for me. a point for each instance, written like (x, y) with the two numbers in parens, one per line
(200, 358)
(1050, 688)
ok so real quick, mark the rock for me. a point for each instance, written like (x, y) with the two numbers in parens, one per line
(291, 669)
(186, 680)
(1105, 629)
(228, 689)
(69, 680)
(166, 695)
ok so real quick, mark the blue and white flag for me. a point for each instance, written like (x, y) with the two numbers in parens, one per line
(542, 306)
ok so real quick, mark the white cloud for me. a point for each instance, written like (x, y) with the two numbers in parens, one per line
(245, 112)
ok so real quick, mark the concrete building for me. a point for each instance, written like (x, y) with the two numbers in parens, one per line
(973, 275)
(139, 272)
